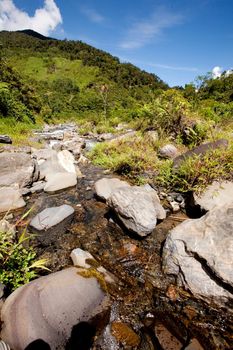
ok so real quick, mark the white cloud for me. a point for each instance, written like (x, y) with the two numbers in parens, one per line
(216, 72)
(144, 31)
(44, 20)
(180, 68)
(92, 15)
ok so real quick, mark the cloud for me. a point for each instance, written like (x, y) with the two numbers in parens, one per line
(92, 15)
(44, 20)
(165, 66)
(143, 32)
(216, 72)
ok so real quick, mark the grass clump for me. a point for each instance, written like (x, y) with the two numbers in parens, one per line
(17, 261)
(196, 173)
(130, 157)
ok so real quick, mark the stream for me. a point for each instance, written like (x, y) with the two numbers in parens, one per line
(149, 309)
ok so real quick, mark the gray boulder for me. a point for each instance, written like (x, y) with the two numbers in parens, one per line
(105, 187)
(50, 217)
(5, 139)
(199, 253)
(10, 199)
(59, 181)
(168, 151)
(217, 194)
(138, 208)
(49, 307)
(17, 168)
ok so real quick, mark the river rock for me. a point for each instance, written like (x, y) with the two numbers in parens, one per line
(194, 345)
(138, 208)
(5, 139)
(50, 217)
(17, 168)
(66, 160)
(105, 187)
(10, 199)
(217, 194)
(199, 253)
(5, 226)
(60, 181)
(168, 151)
(49, 307)
(50, 166)
(200, 151)
(44, 153)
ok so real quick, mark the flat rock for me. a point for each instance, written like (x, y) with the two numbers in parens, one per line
(60, 181)
(17, 168)
(50, 217)
(49, 307)
(217, 194)
(138, 208)
(105, 187)
(10, 199)
(199, 253)
(43, 153)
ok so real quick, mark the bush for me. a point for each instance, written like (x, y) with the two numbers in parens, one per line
(17, 262)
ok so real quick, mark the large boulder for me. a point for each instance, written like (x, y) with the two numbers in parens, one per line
(59, 181)
(138, 208)
(48, 308)
(200, 151)
(10, 199)
(105, 187)
(216, 194)
(17, 168)
(199, 253)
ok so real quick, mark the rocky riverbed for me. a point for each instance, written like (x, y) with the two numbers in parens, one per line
(145, 276)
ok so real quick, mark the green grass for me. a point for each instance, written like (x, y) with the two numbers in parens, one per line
(39, 68)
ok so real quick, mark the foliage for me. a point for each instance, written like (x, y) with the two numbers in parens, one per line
(196, 172)
(17, 261)
(130, 157)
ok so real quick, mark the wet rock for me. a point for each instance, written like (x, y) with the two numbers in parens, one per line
(105, 137)
(217, 194)
(82, 258)
(166, 339)
(50, 217)
(59, 181)
(199, 253)
(10, 199)
(17, 168)
(124, 334)
(168, 151)
(105, 187)
(194, 345)
(138, 208)
(5, 139)
(50, 307)
(200, 150)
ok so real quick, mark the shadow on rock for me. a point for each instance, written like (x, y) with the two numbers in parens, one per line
(81, 337)
(38, 344)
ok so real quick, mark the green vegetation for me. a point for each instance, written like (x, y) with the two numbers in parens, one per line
(70, 80)
(17, 259)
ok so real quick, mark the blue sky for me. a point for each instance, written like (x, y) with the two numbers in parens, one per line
(175, 39)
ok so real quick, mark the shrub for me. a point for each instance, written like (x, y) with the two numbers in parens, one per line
(17, 262)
